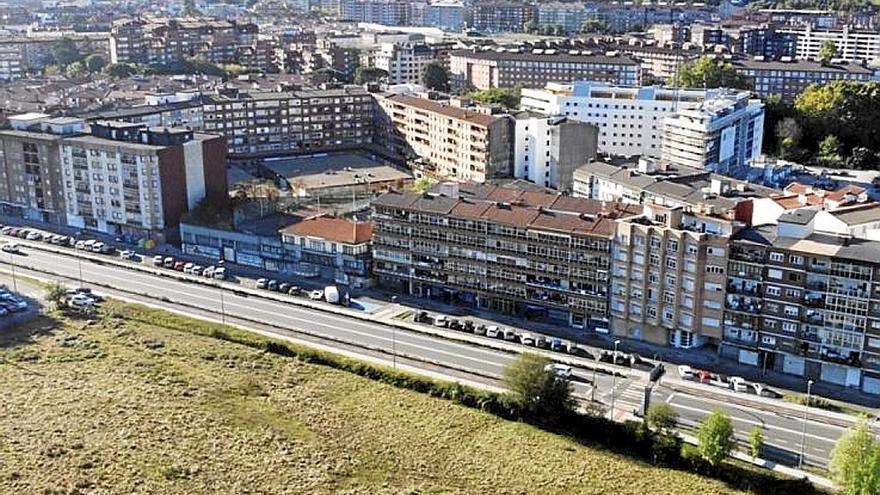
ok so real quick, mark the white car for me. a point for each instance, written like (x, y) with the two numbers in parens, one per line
(158, 260)
(11, 248)
(315, 295)
(686, 372)
(526, 339)
(493, 331)
(81, 301)
(560, 370)
(739, 384)
(220, 273)
(34, 236)
(188, 268)
(208, 272)
(441, 321)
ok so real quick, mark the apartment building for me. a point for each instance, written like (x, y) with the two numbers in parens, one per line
(668, 275)
(722, 134)
(507, 67)
(445, 15)
(337, 248)
(384, 12)
(788, 78)
(501, 16)
(265, 123)
(571, 16)
(531, 254)
(404, 62)
(30, 167)
(804, 303)
(447, 139)
(163, 40)
(127, 179)
(629, 118)
(547, 150)
(659, 63)
(853, 45)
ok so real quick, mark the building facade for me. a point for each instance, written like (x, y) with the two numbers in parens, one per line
(804, 304)
(404, 62)
(547, 150)
(853, 45)
(339, 249)
(723, 134)
(496, 17)
(531, 254)
(500, 68)
(449, 141)
(629, 118)
(259, 124)
(788, 79)
(127, 179)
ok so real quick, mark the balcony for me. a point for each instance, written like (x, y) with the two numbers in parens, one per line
(744, 304)
(744, 289)
(813, 316)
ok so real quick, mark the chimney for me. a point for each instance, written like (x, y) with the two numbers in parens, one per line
(647, 166)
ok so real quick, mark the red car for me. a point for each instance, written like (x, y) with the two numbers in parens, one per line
(178, 265)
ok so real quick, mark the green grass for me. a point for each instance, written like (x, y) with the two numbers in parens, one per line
(142, 401)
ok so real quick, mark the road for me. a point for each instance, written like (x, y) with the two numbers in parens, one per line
(457, 360)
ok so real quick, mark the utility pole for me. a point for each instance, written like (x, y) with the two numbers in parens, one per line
(614, 378)
(804, 430)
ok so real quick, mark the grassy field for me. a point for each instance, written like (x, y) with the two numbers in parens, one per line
(119, 405)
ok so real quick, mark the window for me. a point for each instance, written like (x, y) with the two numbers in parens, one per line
(711, 322)
(789, 327)
(671, 263)
(793, 293)
(715, 270)
(791, 311)
(796, 260)
(774, 274)
(772, 291)
(777, 257)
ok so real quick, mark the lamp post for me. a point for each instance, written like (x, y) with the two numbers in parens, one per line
(804, 430)
(613, 377)
(14, 281)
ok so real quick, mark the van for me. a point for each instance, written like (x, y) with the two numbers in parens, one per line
(97, 247)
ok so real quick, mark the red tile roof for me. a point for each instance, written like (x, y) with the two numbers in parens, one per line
(843, 191)
(332, 229)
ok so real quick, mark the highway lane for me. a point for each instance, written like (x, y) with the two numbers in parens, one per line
(462, 356)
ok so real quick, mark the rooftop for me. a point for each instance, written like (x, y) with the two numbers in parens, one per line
(859, 214)
(803, 66)
(332, 229)
(553, 55)
(463, 114)
(816, 244)
(334, 170)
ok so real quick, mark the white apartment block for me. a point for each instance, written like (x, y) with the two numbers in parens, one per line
(853, 45)
(629, 118)
(404, 62)
(547, 150)
(723, 134)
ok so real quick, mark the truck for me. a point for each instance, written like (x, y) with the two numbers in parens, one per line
(331, 294)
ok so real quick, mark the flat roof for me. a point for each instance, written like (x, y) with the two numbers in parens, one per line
(560, 55)
(802, 66)
(454, 112)
(334, 170)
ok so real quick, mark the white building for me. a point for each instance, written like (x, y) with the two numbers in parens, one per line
(629, 118)
(853, 45)
(404, 62)
(547, 150)
(723, 134)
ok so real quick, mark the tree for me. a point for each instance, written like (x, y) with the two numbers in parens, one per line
(76, 69)
(756, 442)
(364, 75)
(715, 438)
(95, 63)
(506, 97)
(661, 417)
(55, 294)
(530, 27)
(593, 26)
(789, 134)
(422, 185)
(234, 70)
(536, 389)
(827, 51)
(435, 77)
(65, 52)
(829, 150)
(119, 71)
(855, 461)
(708, 72)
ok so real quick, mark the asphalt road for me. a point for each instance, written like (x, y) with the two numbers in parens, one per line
(440, 356)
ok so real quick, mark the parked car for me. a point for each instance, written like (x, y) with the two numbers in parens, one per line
(34, 236)
(526, 339)
(541, 341)
(80, 301)
(23, 233)
(420, 317)
(480, 329)
(6, 230)
(208, 271)
(283, 287)
(441, 321)
(262, 283)
(220, 273)
(316, 295)
(294, 290)
(739, 384)
(158, 260)
(509, 335)
(560, 370)
(106, 249)
(557, 345)
(80, 245)
(97, 247)
(272, 285)
(577, 350)
(168, 262)
(128, 255)
(686, 372)
(87, 244)
(468, 326)
(197, 270)
(455, 324)
(187, 267)
(11, 248)
(494, 332)
(763, 391)
(178, 265)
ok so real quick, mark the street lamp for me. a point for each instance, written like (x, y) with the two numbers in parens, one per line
(614, 377)
(14, 282)
(804, 430)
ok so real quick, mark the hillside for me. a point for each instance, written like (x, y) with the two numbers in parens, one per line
(118, 406)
